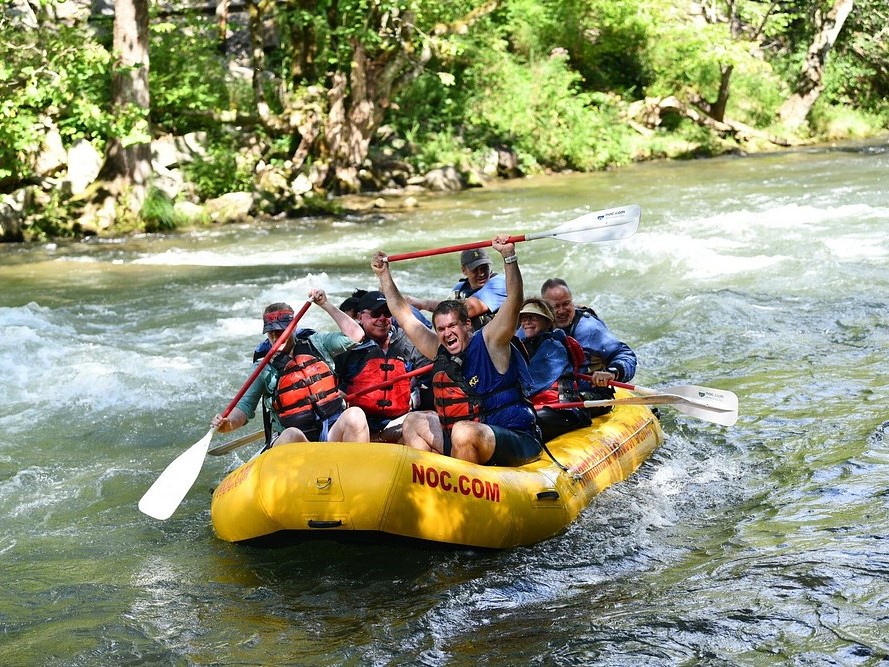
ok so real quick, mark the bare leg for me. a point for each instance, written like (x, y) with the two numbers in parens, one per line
(472, 441)
(350, 427)
(393, 431)
(291, 434)
(422, 430)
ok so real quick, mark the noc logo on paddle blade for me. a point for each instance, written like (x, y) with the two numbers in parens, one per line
(611, 214)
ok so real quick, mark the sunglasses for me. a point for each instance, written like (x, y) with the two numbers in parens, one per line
(379, 312)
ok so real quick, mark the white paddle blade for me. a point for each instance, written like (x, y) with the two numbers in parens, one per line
(170, 489)
(720, 405)
(607, 225)
(714, 398)
(722, 410)
(721, 416)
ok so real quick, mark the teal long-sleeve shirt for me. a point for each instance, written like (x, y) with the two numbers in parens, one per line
(263, 388)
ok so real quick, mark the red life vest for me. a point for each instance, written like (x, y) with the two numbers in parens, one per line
(366, 366)
(391, 401)
(564, 389)
(306, 392)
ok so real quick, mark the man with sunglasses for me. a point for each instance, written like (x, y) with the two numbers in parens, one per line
(384, 354)
(481, 290)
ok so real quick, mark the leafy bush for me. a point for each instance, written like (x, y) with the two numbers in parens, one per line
(190, 84)
(539, 109)
(157, 212)
(831, 121)
(53, 77)
(223, 169)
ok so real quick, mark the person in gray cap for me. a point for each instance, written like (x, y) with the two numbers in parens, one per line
(481, 290)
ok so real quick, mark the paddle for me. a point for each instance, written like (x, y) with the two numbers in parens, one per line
(169, 490)
(227, 447)
(606, 225)
(366, 390)
(713, 405)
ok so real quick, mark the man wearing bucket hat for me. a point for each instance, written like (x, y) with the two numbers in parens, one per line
(553, 361)
(297, 389)
(482, 291)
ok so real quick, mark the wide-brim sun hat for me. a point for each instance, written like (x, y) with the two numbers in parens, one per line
(533, 308)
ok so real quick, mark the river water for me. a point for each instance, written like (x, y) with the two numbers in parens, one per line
(764, 543)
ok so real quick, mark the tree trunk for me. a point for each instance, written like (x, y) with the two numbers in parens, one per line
(717, 109)
(128, 163)
(356, 110)
(222, 14)
(810, 83)
(354, 118)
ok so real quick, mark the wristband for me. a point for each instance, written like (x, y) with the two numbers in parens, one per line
(512, 259)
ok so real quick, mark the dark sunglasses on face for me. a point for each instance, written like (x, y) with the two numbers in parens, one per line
(379, 312)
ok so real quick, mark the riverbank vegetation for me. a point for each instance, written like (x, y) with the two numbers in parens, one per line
(138, 115)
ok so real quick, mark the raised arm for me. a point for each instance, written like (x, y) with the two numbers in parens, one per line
(499, 331)
(346, 324)
(423, 339)
(423, 304)
(474, 305)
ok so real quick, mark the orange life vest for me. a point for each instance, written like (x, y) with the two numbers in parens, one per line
(390, 401)
(366, 366)
(307, 391)
(456, 400)
(453, 399)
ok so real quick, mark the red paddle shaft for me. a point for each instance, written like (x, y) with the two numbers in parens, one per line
(452, 248)
(266, 359)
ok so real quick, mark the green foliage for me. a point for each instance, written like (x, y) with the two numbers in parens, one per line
(51, 219)
(223, 169)
(832, 122)
(435, 149)
(157, 212)
(549, 79)
(858, 69)
(605, 39)
(53, 77)
(536, 108)
(683, 57)
(189, 81)
(539, 109)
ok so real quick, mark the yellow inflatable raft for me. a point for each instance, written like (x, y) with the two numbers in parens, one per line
(374, 490)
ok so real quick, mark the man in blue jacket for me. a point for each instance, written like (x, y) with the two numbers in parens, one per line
(606, 357)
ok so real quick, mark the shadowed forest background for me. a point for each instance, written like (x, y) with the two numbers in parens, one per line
(147, 116)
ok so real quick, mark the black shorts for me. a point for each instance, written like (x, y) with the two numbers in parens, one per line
(318, 430)
(554, 423)
(511, 448)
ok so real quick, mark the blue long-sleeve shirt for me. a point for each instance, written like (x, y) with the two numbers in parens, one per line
(602, 349)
